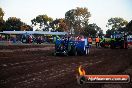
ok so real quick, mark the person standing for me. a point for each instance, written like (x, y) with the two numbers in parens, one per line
(97, 42)
(0, 37)
(30, 39)
(90, 41)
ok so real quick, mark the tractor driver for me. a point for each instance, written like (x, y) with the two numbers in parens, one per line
(65, 43)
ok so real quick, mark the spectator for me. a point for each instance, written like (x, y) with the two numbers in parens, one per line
(97, 42)
(0, 37)
(90, 41)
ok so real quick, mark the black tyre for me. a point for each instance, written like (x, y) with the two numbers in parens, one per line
(112, 45)
(75, 53)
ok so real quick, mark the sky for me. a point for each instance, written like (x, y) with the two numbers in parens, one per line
(101, 10)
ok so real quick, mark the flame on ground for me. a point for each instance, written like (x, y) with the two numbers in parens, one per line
(81, 71)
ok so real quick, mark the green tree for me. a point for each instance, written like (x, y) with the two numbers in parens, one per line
(115, 24)
(76, 19)
(92, 30)
(42, 21)
(1, 14)
(2, 25)
(59, 25)
(100, 33)
(13, 23)
(129, 27)
(2, 22)
(110, 32)
(26, 27)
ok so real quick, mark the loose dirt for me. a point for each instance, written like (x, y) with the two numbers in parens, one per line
(34, 66)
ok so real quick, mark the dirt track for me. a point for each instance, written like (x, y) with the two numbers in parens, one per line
(27, 66)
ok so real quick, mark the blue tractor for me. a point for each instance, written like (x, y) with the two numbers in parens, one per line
(71, 47)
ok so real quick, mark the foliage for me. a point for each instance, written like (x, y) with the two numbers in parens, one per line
(58, 25)
(129, 27)
(110, 32)
(100, 33)
(26, 27)
(116, 24)
(2, 22)
(75, 22)
(92, 30)
(2, 25)
(1, 14)
(13, 23)
(42, 21)
(76, 19)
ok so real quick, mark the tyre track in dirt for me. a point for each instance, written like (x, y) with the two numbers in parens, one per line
(52, 76)
(42, 70)
(38, 62)
(45, 71)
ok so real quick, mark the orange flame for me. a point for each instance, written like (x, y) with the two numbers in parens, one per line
(81, 71)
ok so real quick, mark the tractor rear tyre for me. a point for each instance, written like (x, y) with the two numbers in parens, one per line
(75, 53)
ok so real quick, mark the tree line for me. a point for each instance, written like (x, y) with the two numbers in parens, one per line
(76, 22)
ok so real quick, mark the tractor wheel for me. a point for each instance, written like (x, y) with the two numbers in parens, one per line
(122, 47)
(126, 45)
(75, 52)
(112, 46)
(65, 53)
(121, 44)
(55, 54)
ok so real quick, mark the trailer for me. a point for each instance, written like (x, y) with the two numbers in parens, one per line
(71, 47)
